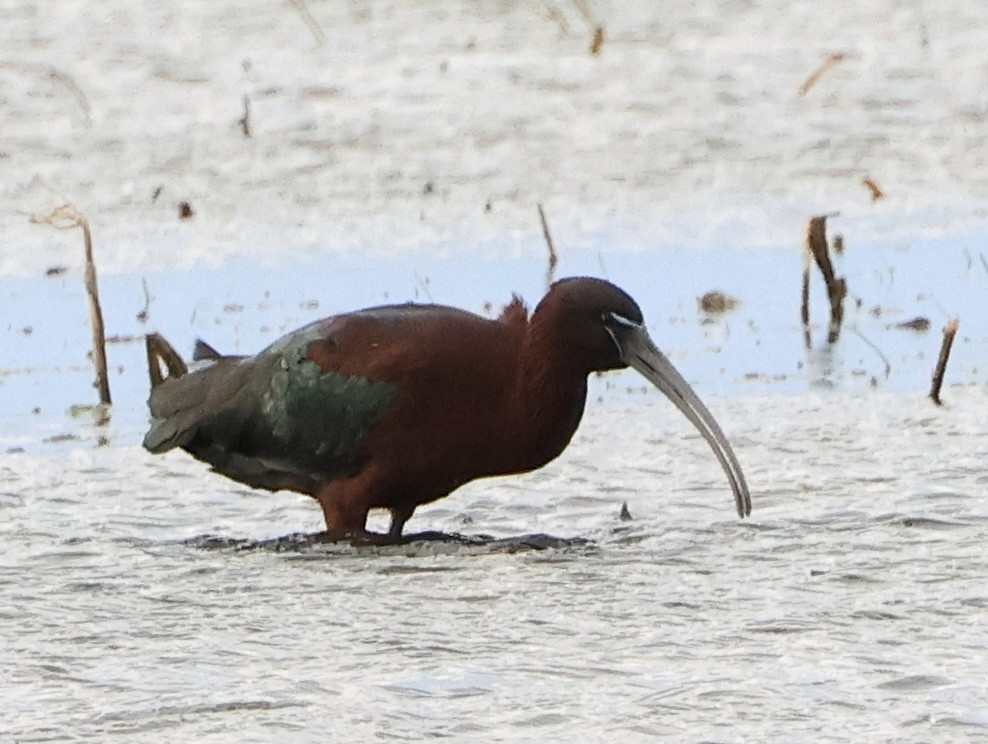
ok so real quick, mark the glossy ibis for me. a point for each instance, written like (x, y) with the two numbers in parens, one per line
(396, 406)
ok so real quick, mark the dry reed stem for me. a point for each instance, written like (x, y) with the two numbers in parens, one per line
(816, 246)
(244, 121)
(584, 9)
(64, 217)
(553, 258)
(949, 331)
(804, 305)
(874, 347)
(876, 192)
(303, 10)
(142, 315)
(66, 80)
(831, 61)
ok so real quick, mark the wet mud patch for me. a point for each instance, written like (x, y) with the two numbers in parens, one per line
(317, 544)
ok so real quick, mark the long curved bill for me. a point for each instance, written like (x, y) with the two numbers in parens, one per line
(639, 353)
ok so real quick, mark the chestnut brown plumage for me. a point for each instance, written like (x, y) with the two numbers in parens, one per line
(397, 406)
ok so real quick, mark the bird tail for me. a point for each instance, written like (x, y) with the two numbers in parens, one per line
(184, 403)
(160, 352)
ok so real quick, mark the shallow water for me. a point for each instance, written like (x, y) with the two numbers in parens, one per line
(144, 599)
(850, 606)
(444, 124)
(759, 346)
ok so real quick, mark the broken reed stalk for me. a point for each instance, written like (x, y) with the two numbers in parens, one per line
(816, 245)
(949, 331)
(553, 258)
(874, 347)
(64, 217)
(584, 9)
(65, 79)
(804, 307)
(312, 23)
(244, 120)
(95, 317)
(873, 188)
(142, 315)
(829, 62)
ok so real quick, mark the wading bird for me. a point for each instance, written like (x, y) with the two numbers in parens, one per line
(397, 406)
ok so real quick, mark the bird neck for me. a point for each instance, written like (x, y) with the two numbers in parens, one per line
(551, 395)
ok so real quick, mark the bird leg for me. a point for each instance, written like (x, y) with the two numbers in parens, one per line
(399, 515)
(345, 512)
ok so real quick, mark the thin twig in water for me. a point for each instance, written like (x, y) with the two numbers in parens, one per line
(829, 62)
(584, 7)
(66, 80)
(244, 120)
(597, 40)
(874, 347)
(924, 31)
(311, 22)
(64, 217)
(804, 306)
(556, 15)
(949, 331)
(142, 315)
(553, 258)
(57, 76)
